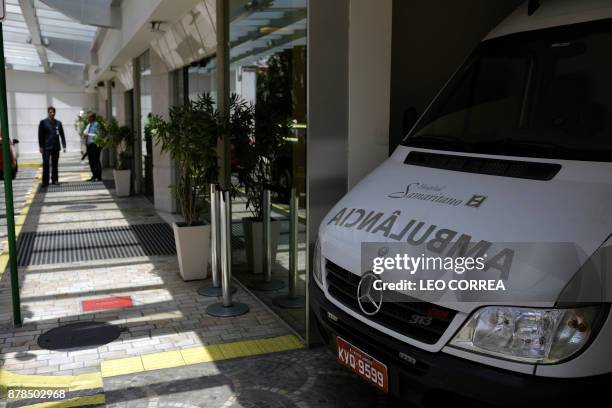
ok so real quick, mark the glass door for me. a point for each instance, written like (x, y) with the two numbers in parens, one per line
(268, 72)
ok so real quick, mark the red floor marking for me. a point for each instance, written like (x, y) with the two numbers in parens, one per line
(117, 302)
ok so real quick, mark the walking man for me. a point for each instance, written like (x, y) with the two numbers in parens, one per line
(50, 135)
(93, 151)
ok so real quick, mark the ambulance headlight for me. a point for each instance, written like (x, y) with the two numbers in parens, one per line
(529, 335)
(317, 266)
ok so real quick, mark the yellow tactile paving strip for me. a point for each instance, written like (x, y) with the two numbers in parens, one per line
(33, 165)
(20, 219)
(195, 355)
(147, 362)
(72, 385)
(66, 382)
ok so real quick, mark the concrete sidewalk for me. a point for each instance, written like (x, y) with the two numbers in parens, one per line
(169, 352)
(167, 313)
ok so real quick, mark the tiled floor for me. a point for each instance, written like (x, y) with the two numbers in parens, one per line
(168, 314)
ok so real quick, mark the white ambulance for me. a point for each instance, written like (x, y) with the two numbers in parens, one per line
(511, 163)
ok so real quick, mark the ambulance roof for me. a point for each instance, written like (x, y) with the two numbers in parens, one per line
(552, 13)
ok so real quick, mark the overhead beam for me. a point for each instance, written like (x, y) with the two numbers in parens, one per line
(98, 13)
(29, 15)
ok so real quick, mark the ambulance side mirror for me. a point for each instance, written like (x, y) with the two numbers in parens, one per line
(409, 120)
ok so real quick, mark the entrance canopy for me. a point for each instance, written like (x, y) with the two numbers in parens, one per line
(55, 36)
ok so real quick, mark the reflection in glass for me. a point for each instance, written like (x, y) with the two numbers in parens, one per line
(202, 79)
(145, 112)
(268, 70)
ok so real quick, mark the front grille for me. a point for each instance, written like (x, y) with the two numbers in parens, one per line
(396, 315)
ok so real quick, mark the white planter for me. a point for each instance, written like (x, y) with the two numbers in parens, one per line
(253, 236)
(192, 250)
(122, 182)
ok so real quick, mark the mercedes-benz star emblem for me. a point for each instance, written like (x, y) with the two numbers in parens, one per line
(369, 299)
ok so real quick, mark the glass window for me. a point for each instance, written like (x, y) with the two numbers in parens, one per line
(179, 86)
(202, 79)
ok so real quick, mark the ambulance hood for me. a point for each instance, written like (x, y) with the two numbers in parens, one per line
(537, 233)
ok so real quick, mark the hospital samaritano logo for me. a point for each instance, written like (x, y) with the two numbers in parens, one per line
(426, 192)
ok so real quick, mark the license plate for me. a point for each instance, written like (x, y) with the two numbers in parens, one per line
(362, 364)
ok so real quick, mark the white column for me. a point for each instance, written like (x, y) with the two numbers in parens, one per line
(119, 102)
(369, 75)
(163, 166)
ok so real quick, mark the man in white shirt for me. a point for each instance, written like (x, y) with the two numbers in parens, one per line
(93, 151)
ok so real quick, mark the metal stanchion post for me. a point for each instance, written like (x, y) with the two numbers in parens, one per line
(226, 308)
(292, 300)
(267, 283)
(215, 289)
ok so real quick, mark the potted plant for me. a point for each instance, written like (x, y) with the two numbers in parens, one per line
(123, 144)
(256, 152)
(190, 137)
(118, 141)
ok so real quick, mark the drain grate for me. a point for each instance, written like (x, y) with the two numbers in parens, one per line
(52, 247)
(79, 335)
(85, 186)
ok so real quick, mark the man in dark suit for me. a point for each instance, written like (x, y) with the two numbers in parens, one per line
(50, 135)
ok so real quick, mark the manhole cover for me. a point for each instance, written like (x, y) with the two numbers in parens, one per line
(79, 335)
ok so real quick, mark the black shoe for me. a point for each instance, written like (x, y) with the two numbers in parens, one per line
(92, 179)
(55, 183)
